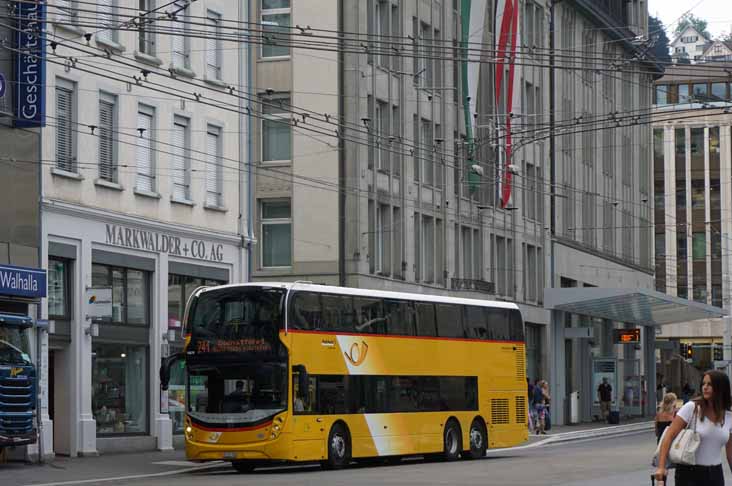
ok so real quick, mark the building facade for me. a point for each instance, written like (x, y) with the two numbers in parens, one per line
(692, 154)
(689, 46)
(144, 198)
(387, 195)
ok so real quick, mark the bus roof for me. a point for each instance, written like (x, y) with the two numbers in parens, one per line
(372, 293)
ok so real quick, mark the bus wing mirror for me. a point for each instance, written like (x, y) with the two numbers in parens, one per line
(303, 380)
(165, 366)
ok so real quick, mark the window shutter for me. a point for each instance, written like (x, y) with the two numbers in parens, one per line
(144, 153)
(178, 162)
(213, 66)
(105, 17)
(107, 169)
(179, 41)
(64, 130)
(65, 11)
(213, 169)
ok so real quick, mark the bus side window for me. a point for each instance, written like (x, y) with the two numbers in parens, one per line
(306, 313)
(337, 313)
(517, 326)
(399, 318)
(449, 321)
(369, 316)
(498, 325)
(426, 319)
(475, 322)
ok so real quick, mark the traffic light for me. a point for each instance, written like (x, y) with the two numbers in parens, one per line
(718, 352)
(682, 349)
(689, 351)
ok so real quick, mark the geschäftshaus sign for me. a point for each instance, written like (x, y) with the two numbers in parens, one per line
(139, 239)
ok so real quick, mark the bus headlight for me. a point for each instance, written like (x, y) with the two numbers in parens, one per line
(189, 431)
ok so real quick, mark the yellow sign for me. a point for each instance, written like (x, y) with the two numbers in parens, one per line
(357, 354)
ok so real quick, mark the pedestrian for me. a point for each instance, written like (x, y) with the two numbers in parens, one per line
(532, 412)
(605, 396)
(547, 405)
(686, 392)
(665, 415)
(713, 421)
(539, 408)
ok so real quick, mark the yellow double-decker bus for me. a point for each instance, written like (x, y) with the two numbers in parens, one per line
(301, 372)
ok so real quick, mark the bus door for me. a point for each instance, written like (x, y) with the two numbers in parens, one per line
(309, 428)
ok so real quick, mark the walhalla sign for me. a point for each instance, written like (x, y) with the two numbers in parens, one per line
(162, 243)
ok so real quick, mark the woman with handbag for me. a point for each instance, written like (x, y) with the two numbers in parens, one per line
(697, 435)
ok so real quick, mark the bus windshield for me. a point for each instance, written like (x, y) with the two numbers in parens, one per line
(238, 320)
(14, 345)
(235, 394)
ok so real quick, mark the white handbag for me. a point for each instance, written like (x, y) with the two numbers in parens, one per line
(683, 448)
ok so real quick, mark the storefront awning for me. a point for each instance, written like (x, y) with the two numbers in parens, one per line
(637, 306)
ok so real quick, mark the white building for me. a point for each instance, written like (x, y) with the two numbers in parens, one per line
(145, 169)
(689, 45)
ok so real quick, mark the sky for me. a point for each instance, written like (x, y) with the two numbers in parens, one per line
(718, 13)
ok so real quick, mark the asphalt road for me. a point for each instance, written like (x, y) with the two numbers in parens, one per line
(597, 462)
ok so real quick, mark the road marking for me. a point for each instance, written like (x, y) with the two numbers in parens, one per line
(177, 463)
(202, 467)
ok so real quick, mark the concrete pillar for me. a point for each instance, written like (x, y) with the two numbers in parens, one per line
(163, 429)
(557, 379)
(87, 442)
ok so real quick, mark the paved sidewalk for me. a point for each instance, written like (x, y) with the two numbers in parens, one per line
(109, 468)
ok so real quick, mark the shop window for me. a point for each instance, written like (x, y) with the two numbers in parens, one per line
(119, 388)
(58, 288)
(130, 293)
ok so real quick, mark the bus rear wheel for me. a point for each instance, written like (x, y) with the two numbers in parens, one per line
(453, 441)
(339, 447)
(478, 439)
(244, 466)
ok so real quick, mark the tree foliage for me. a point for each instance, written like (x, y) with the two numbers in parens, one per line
(691, 20)
(657, 35)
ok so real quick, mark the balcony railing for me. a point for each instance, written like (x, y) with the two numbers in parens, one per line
(474, 285)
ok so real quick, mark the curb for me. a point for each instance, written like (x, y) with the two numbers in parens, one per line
(613, 431)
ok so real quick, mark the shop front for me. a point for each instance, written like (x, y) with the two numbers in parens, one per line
(140, 274)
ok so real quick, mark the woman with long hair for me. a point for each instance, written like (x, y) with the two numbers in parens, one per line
(713, 418)
(665, 415)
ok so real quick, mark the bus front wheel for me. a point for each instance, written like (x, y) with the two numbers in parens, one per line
(478, 439)
(453, 442)
(339, 447)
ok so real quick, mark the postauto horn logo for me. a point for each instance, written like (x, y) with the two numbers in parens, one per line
(357, 354)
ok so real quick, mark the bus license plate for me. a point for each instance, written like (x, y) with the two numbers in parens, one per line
(229, 455)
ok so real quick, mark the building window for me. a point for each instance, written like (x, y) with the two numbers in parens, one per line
(276, 131)
(107, 137)
(381, 147)
(276, 218)
(683, 90)
(145, 31)
(119, 388)
(699, 246)
(701, 92)
(145, 149)
(428, 170)
(106, 15)
(719, 92)
(66, 12)
(214, 167)
(428, 252)
(181, 42)
(66, 125)
(662, 94)
(382, 241)
(275, 28)
(180, 159)
(130, 293)
(58, 289)
(213, 45)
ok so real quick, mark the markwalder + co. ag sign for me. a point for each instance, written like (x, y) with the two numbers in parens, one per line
(164, 243)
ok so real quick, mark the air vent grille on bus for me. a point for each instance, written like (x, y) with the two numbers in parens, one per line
(520, 363)
(499, 411)
(521, 415)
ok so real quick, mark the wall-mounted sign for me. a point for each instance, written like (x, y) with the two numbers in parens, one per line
(22, 281)
(627, 336)
(139, 239)
(30, 64)
(99, 303)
